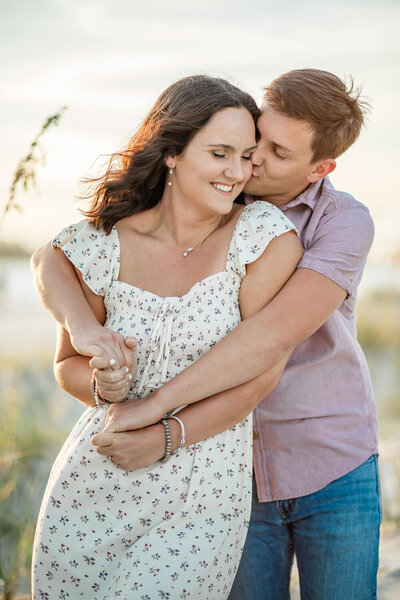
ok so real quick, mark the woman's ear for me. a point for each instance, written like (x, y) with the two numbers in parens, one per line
(170, 162)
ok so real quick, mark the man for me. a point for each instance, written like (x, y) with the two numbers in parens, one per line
(316, 432)
(316, 490)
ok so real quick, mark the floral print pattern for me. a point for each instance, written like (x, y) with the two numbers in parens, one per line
(173, 530)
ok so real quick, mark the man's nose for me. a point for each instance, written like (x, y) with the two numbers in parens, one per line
(256, 159)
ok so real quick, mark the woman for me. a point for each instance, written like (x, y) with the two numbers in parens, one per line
(166, 258)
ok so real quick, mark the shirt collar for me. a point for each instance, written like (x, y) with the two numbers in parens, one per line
(309, 197)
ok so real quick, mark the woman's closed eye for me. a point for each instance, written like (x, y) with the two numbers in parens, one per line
(222, 155)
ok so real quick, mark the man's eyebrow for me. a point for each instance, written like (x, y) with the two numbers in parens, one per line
(228, 147)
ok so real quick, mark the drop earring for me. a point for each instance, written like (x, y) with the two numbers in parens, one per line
(170, 177)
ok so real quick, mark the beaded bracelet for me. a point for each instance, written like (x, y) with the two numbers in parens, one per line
(95, 392)
(169, 442)
(183, 432)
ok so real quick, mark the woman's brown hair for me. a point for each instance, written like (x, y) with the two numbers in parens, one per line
(135, 178)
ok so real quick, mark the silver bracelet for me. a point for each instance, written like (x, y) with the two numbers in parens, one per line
(95, 393)
(169, 442)
(183, 432)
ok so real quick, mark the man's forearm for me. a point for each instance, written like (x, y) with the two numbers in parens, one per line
(59, 289)
(142, 447)
(238, 358)
(213, 415)
(78, 310)
(259, 342)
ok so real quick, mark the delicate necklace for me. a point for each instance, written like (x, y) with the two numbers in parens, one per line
(187, 251)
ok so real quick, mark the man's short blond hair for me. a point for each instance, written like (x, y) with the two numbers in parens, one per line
(332, 107)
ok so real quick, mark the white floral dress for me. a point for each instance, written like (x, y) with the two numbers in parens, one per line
(174, 530)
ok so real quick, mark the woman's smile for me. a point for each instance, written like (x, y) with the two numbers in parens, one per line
(225, 188)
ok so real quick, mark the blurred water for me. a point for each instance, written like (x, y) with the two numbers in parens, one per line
(25, 326)
(23, 318)
(17, 288)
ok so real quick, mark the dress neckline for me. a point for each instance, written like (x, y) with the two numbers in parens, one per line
(171, 298)
(195, 285)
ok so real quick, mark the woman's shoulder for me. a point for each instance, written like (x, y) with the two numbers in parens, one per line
(92, 251)
(83, 232)
(135, 226)
(263, 218)
(258, 224)
(261, 209)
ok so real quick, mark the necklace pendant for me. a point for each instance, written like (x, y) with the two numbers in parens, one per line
(186, 252)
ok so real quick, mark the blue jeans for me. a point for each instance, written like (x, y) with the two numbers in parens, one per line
(334, 533)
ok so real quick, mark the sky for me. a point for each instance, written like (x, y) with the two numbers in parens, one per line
(109, 60)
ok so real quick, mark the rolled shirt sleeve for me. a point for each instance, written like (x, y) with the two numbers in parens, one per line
(340, 246)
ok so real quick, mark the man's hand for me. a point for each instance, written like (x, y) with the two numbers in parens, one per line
(132, 450)
(96, 340)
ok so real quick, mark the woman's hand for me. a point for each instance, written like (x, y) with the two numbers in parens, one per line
(133, 414)
(132, 450)
(114, 383)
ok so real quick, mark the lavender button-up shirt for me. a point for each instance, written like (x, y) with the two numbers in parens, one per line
(320, 421)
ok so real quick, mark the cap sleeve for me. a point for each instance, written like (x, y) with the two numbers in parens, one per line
(94, 253)
(259, 223)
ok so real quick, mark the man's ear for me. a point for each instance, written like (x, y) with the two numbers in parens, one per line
(321, 169)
